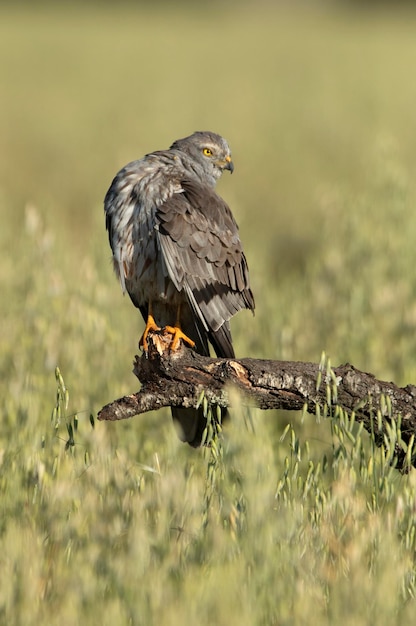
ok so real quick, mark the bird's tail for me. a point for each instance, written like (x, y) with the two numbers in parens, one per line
(191, 423)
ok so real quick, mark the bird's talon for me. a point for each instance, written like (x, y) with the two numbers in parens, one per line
(177, 336)
(151, 326)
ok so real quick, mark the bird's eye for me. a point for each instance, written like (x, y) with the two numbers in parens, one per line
(207, 152)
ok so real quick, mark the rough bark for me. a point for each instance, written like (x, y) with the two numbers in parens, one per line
(178, 379)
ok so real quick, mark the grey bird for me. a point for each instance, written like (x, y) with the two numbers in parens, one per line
(177, 251)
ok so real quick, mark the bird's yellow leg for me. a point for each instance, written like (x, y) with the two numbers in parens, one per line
(177, 333)
(151, 326)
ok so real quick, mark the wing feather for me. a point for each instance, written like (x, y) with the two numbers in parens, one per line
(202, 252)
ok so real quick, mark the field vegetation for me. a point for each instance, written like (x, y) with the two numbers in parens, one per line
(288, 519)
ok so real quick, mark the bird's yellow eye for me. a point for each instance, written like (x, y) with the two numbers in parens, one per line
(207, 151)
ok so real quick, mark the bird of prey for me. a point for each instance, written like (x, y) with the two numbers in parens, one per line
(177, 250)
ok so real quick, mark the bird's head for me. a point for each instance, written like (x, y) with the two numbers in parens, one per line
(208, 151)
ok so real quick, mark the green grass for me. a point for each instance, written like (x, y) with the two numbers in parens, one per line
(298, 519)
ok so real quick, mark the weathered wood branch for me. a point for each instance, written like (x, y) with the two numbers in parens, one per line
(178, 379)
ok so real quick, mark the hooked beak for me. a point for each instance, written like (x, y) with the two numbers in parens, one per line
(229, 164)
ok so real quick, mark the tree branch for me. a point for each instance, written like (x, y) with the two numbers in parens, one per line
(178, 379)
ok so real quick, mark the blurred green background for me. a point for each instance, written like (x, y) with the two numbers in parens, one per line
(318, 105)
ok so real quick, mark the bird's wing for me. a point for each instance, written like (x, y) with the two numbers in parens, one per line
(203, 255)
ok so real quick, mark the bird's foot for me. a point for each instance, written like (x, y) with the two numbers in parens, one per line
(177, 336)
(151, 326)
